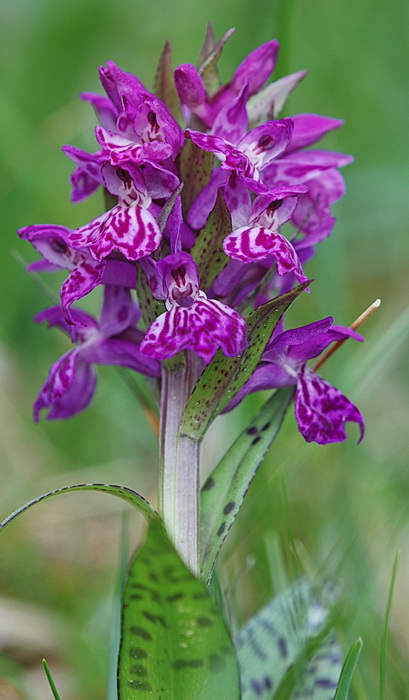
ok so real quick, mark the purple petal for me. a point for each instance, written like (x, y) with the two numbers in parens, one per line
(180, 278)
(251, 244)
(118, 84)
(118, 311)
(257, 67)
(190, 86)
(69, 387)
(296, 168)
(125, 353)
(237, 198)
(215, 144)
(160, 182)
(316, 344)
(121, 272)
(321, 410)
(103, 107)
(125, 182)
(267, 376)
(309, 128)
(204, 327)
(282, 343)
(205, 201)
(131, 230)
(273, 212)
(120, 149)
(82, 280)
(87, 177)
(85, 326)
(313, 212)
(231, 122)
(266, 142)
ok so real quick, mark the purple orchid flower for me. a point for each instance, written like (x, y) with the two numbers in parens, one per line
(113, 340)
(260, 238)
(52, 242)
(129, 227)
(321, 410)
(144, 128)
(192, 321)
(94, 170)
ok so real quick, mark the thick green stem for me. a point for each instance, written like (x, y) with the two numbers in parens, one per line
(178, 490)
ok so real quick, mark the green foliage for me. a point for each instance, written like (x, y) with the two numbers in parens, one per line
(224, 490)
(208, 248)
(50, 680)
(348, 671)
(320, 676)
(123, 492)
(276, 637)
(175, 644)
(195, 170)
(164, 84)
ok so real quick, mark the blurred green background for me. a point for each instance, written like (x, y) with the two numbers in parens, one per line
(341, 511)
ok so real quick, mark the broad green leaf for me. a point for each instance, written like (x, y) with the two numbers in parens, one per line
(224, 491)
(175, 645)
(208, 249)
(164, 84)
(195, 170)
(321, 674)
(348, 670)
(225, 376)
(279, 634)
(50, 680)
(123, 492)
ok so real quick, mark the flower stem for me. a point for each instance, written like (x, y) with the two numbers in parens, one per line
(178, 490)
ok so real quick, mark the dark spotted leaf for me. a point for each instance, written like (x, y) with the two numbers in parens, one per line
(225, 376)
(348, 670)
(123, 492)
(224, 491)
(273, 640)
(175, 645)
(195, 171)
(164, 84)
(320, 677)
(208, 249)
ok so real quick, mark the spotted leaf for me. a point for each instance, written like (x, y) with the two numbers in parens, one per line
(224, 491)
(175, 644)
(272, 641)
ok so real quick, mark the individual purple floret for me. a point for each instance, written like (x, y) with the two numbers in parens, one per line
(52, 242)
(321, 410)
(192, 321)
(113, 340)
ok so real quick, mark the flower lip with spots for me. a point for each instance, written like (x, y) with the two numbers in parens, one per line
(191, 321)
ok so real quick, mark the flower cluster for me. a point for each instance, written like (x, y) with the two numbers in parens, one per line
(196, 161)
